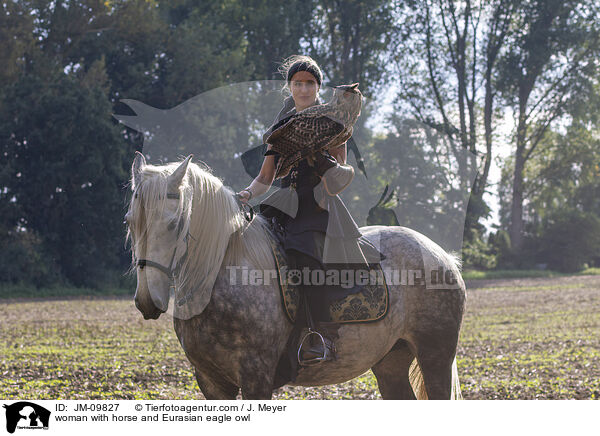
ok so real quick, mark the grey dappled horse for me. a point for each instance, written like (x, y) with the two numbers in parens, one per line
(186, 227)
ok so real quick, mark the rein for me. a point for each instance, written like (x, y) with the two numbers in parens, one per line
(246, 208)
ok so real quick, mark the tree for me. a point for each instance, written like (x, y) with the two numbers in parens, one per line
(446, 61)
(549, 66)
(350, 40)
(16, 34)
(65, 173)
(272, 32)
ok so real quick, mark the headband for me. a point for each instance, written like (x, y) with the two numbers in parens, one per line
(305, 66)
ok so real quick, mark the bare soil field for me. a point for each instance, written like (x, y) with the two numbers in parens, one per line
(521, 338)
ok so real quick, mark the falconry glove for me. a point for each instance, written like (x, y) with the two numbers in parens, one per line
(335, 177)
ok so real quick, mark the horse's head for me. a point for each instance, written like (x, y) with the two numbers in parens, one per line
(180, 219)
(158, 231)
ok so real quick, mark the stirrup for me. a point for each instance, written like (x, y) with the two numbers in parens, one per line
(328, 353)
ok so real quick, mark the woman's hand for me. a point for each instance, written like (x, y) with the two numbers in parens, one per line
(244, 196)
(261, 183)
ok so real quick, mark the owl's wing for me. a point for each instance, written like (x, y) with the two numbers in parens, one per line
(312, 131)
(303, 138)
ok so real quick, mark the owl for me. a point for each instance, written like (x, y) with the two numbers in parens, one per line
(315, 129)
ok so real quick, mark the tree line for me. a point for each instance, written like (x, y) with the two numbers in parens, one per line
(457, 72)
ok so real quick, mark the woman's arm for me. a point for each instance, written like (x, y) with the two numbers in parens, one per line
(262, 182)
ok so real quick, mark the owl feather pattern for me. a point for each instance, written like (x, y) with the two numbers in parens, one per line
(316, 129)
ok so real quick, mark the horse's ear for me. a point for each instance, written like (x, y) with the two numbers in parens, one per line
(382, 196)
(139, 162)
(354, 86)
(176, 178)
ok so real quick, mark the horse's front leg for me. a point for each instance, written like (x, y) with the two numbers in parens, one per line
(214, 387)
(257, 379)
(257, 391)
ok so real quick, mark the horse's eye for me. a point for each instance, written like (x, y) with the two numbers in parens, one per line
(171, 226)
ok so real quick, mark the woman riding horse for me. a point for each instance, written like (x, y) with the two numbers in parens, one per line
(307, 230)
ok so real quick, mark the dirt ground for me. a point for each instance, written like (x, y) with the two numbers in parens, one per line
(521, 338)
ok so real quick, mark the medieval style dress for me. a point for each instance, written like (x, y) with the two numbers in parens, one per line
(316, 229)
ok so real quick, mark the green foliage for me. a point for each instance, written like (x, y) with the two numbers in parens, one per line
(66, 174)
(405, 159)
(540, 86)
(569, 240)
(68, 63)
(24, 258)
(477, 254)
(351, 41)
(499, 244)
(271, 33)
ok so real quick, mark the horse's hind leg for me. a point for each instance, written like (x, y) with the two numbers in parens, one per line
(216, 388)
(435, 363)
(392, 373)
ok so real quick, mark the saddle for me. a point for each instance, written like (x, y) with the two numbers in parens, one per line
(370, 303)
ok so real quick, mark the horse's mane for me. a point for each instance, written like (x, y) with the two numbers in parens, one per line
(219, 234)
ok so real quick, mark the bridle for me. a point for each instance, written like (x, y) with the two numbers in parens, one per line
(173, 271)
(170, 271)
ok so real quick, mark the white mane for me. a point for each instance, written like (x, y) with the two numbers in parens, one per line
(220, 235)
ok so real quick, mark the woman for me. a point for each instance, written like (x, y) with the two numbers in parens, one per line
(311, 239)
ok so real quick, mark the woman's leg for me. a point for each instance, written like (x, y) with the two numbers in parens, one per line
(315, 295)
(313, 307)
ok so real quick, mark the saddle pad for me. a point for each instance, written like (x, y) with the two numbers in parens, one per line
(369, 304)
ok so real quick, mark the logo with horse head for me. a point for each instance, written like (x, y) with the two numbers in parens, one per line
(26, 415)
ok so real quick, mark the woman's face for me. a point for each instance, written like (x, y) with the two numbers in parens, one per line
(304, 89)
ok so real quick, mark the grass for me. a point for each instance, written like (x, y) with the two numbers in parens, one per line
(542, 343)
(470, 274)
(539, 343)
(15, 291)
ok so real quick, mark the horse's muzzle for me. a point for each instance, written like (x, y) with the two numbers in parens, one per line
(154, 314)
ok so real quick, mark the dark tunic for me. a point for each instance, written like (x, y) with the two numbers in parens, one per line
(306, 231)
(315, 223)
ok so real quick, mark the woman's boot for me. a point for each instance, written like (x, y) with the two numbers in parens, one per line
(317, 345)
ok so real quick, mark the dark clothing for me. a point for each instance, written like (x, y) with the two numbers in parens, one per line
(310, 216)
(308, 227)
(318, 233)
(315, 223)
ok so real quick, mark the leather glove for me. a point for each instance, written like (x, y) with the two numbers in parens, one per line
(323, 162)
(335, 177)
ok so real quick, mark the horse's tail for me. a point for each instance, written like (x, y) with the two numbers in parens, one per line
(456, 393)
(415, 376)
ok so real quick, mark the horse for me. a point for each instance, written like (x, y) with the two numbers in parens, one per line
(186, 227)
